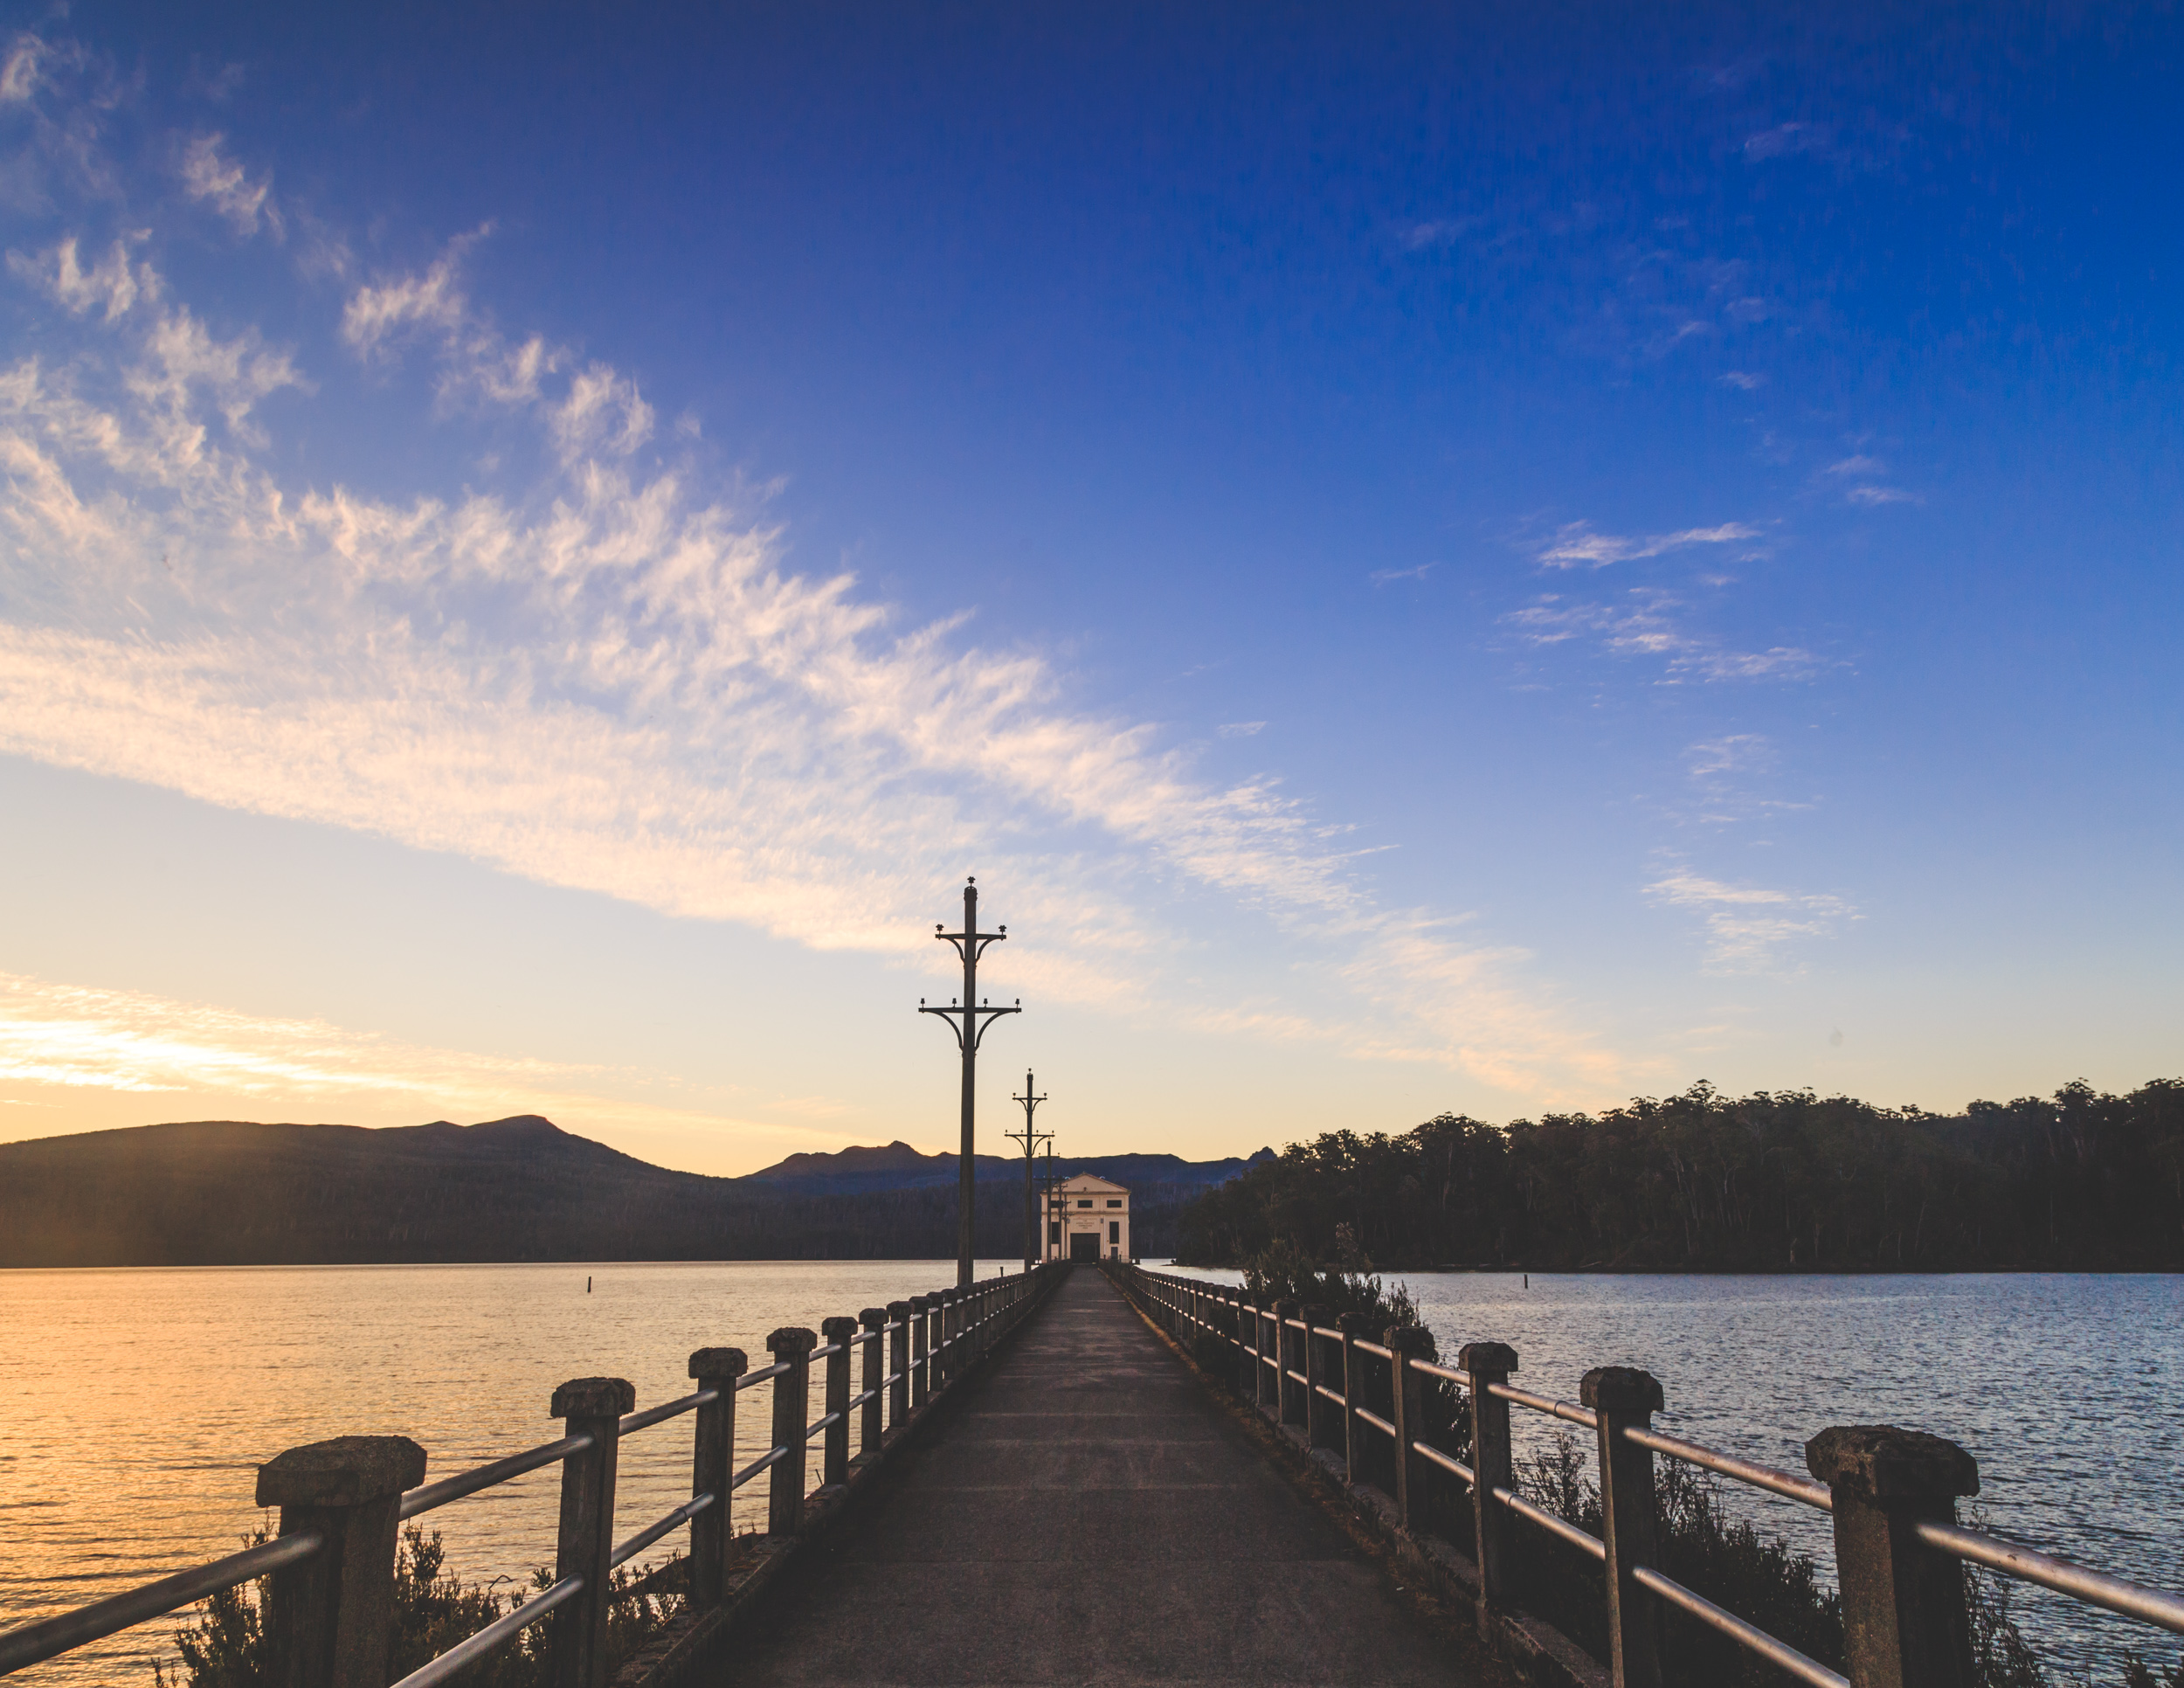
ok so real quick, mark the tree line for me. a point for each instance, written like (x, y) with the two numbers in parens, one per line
(1702, 1182)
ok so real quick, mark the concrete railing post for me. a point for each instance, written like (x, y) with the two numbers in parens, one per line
(872, 1378)
(711, 1470)
(1318, 1412)
(1352, 1326)
(1622, 1397)
(1403, 1341)
(920, 1366)
(587, 1407)
(1287, 1400)
(791, 1346)
(1903, 1619)
(1493, 1464)
(840, 1332)
(332, 1612)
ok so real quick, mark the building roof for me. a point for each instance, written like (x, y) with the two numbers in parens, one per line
(1087, 1181)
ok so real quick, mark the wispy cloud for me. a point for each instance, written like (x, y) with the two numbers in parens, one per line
(1240, 729)
(1872, 495)
(1436, 232)
(1858, 466)
(1645, 623)
(1784, 140)
(111, 286)
(1744, 380)
(1382, 577)
(1748, 927)
(378, 317)
(1575, 545)
(1734, 753)
(211, 176)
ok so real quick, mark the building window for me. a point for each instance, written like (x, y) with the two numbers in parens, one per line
(1113, 1230)
(1113, 1202)
(1084, 1204)
(1053, 1230)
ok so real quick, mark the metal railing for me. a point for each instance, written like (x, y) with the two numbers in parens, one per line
(342, 1502)
(1892, 1493)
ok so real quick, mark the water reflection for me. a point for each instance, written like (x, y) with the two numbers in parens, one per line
(144, 1400)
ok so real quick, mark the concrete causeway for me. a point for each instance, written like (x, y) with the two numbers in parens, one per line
(1088, 1515)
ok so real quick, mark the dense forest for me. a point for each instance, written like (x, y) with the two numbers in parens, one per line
(1704, 1181)
(227, 1193)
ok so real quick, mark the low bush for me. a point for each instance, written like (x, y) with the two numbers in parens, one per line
(433, 1609)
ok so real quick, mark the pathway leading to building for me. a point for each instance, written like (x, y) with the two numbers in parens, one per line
(1089, 1516)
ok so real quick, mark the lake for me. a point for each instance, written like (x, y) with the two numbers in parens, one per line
(145, 1398)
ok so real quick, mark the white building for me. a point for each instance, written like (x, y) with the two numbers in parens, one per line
(1087, 1218)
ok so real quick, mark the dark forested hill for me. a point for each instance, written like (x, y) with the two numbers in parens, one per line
(235, 1193)
(1761, 1183)
(898, 1167)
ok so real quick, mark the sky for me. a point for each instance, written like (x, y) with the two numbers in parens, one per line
(1427, 560)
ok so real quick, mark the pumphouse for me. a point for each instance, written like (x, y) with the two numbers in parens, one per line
(1087, 1218)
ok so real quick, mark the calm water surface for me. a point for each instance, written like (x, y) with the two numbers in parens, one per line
(144, 1399)
(2067, 1388)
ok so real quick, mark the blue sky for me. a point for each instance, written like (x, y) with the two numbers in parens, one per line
(1427, 560)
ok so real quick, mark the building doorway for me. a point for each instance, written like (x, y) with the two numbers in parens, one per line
(1084, 1245)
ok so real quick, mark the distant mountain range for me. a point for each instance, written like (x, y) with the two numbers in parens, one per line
(238, 1193)
(898, 1167)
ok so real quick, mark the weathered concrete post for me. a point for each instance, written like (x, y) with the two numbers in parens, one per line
(587, 1407)
(1288, 1402)
(840, 1332)
(921, 1362)
(1239, 1318)
(791, 1346)
(945, 1366)
(1262, 1394)
(1622, 1396)
(712, 1468)
(871, 1377)
(1904, 1618)
(1318, 1413)
(332, 1612)
(898, 1364)
(1403, 1341)
(1493, 1465)
(1352, 1326)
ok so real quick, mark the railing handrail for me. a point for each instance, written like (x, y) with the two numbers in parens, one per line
(428, 1495)
(33, 1643)
(1187, 1299)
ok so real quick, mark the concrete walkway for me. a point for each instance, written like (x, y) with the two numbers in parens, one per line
(1088, 1516)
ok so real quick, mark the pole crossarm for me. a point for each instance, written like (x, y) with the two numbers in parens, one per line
(982, 1017)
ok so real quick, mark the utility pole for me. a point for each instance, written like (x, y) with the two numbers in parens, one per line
(1031, 1139)
(968, 1020)
(1051, 1204)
